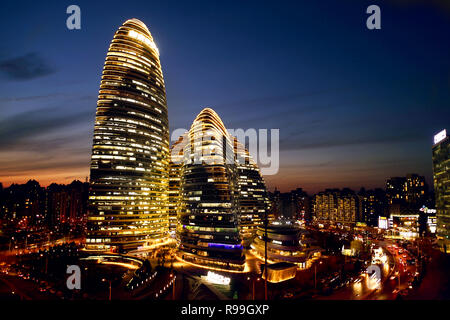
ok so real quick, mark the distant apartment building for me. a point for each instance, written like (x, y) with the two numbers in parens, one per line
(66, 204)
(23, 202)
(373, 204)
(295, 204)
(275, 205)
(411, 190)
(337, 206)
(30, 205)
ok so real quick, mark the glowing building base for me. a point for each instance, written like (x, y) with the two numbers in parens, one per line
(246, 267)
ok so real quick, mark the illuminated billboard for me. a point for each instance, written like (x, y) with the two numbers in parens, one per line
(440, 136)
(432, 222)
(382, 223)
(213, 277)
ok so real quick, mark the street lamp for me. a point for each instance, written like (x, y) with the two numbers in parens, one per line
(104, 280)
(12, 238)
(252, 278)
(26, 241)
(315, 274)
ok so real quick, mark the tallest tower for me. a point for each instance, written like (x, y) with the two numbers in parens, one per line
(130, 152)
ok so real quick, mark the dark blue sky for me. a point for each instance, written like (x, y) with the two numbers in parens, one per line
(353, 106)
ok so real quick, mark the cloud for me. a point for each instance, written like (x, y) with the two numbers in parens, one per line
(49, 96)
(22, 166)
(27, 67)
(19, 128)
(29, 98)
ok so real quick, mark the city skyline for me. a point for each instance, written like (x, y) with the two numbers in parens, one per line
(185, 154)
(351, 113)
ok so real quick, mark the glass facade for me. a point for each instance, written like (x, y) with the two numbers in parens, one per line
(129, 165)
(253, 199)
(176, 160)
(441, 179)
(222, 196)
(208, 220)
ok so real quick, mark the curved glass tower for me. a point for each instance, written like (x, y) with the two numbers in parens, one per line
(208, 228)
(130, 152)
(253, 200)
(176, 160)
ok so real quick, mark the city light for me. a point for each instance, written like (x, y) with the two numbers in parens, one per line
(144, 39)
(441, 135)
(217, 278)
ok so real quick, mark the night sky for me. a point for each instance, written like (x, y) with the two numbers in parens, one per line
(354, 106)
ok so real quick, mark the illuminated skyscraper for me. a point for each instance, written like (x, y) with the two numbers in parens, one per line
(441, 179)
(253, 199)
(222, 196)
(130, 152)
(176, 160)
(208, 222)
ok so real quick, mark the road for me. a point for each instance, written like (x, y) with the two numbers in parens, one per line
(24, 289)
(364, 289)
(436, 282)
(435, 285)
